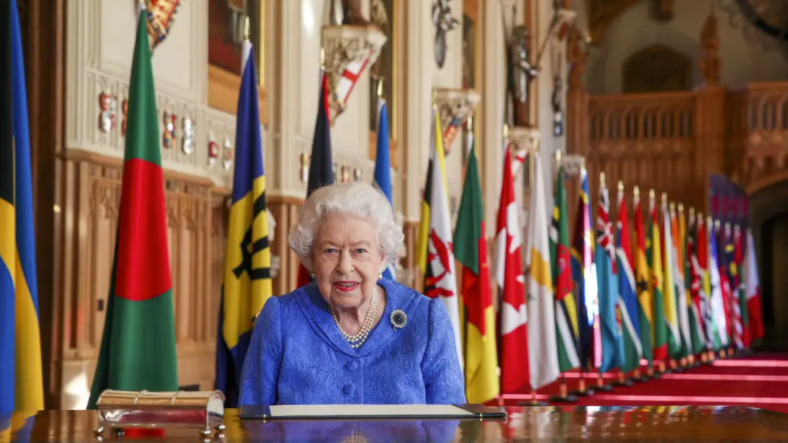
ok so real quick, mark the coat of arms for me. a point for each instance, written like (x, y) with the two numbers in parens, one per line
(107, 103)
(159, 14)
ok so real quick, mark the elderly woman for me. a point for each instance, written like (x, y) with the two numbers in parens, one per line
(350, 336)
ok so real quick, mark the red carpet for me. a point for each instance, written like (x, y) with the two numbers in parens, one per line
(759, 380)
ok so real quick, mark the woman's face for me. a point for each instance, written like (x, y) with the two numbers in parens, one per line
(346, 260)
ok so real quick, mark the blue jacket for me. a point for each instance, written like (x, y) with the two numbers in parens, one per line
(298, 356)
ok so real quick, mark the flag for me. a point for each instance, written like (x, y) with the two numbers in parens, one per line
(627, 301)
(542, 345)
(138, 346)
(696, 294)
(669, 288)
(726, 284)
(732, 276)
(607, 278)
(706, 311)
(470, 242)
(21, 379)
(566, 308)
(246, 284)
(642, 277)
(382, 179)
(741, 293)
(585, 279)
(440, 277)
(514, 352)
(321, 168)
(660, 334)
(716, 306)
(682, 306)
(752, 289)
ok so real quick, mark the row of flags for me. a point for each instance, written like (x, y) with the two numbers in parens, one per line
(668, 290)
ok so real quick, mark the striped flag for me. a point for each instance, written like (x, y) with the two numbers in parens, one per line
(669, 291)
(21, 379)
(382, 179)
(679, 282)
(609, 318)
(566, 308)
(246, 284)
(660, 337)
(752, 289)
(696, 291)
(642, 277)
(628, 301)
(542, 343)
(741, 296)
(514, 352)
(585, 279)
(321, 168)
(440, 276)
(470, 242)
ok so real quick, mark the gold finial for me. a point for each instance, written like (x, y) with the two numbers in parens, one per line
(664, 197)
(380, 87)
(470, 123)
(505, 132)
(322, 59)
(558, 156)
(727, 226)
(621, 186)
(636, 192)
(716, 224)
(700, 216)
(247, 28)
(602, 179)
(691, 211)
(672, 207)
(681, 207)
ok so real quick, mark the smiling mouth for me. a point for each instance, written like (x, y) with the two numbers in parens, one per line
(346, 286)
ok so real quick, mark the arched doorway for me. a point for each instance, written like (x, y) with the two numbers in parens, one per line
(769, 215)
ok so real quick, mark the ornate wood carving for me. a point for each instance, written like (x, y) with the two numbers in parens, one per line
(91, 188)
(710, 47)
(662, 10)
(657, 68)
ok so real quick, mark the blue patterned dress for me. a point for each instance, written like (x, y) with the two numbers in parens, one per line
(298, 356)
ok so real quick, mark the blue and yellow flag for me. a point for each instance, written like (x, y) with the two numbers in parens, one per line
(21, 379)
(247, 269)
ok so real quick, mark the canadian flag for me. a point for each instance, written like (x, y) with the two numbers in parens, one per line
(752, 289)
(511, 284)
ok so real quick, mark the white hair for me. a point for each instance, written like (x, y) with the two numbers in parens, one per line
(358, 199)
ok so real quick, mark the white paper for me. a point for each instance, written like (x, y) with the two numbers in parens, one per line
(285, 411)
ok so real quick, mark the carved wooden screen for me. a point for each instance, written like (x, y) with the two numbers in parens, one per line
(657, 68)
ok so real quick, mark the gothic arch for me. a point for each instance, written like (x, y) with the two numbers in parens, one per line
(657, 68)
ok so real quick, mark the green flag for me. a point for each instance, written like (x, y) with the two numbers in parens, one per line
(138, 345)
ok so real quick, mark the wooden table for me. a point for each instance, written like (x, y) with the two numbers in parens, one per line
(630, 423)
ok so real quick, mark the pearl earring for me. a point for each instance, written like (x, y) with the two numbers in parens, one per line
(380, 275)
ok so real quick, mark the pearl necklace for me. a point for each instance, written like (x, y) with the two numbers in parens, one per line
(357, 340)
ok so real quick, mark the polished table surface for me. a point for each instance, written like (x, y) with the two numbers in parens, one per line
(628, 423)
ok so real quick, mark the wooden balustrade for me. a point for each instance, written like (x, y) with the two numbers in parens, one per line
(671, 142)
(758, 134)
(646, 140)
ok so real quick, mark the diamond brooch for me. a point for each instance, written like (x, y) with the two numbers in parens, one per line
(398, 319)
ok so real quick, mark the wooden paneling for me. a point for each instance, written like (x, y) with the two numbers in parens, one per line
(196, 217)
